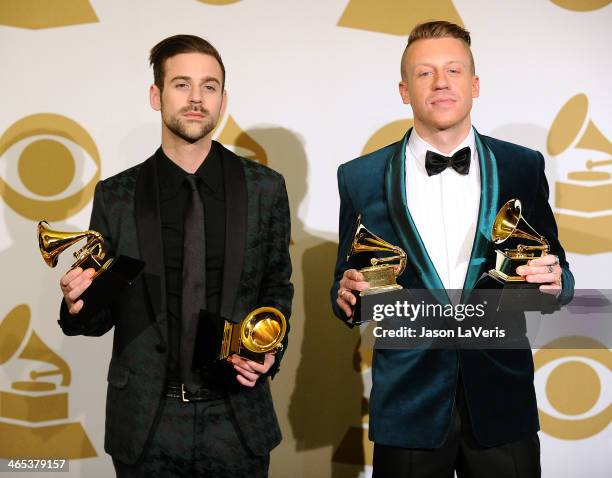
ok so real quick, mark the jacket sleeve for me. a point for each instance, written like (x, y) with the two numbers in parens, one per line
(347, 219)
(544, 222)
(276, 289)
(101, 322)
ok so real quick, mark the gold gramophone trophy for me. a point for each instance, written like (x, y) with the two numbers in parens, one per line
(509, 223)
(262, 331)
(382, 273)
(111, 274)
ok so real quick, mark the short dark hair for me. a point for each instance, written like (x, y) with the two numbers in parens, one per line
(439, 29)
(175, 45)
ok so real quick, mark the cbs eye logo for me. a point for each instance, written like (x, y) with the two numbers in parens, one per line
(573, 404)
(49, 167)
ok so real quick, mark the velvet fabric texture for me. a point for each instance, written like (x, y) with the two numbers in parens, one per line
(413, 391)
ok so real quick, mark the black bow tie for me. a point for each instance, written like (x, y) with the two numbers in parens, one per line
(460, 161)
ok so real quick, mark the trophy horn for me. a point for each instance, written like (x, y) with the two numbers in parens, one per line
(263, 330)
(510, 222)
(366, 241)
(52, 243)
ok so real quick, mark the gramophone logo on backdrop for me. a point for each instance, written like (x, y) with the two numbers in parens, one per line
(233, 137)
(34, 413)
(388, 134)
(577, 407)
(37, 14)
(396, 18)
(583, 196)
(42, 159)
(581, 5)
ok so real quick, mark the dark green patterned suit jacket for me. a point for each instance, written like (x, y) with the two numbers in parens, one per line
(257, 271)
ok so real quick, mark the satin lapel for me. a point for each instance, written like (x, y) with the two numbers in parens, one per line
(148, 226)
(407, 233)
(489, 193)
(235, 229)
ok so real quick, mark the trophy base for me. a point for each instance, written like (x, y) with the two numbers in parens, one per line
(506, 263)
(109, 281)
(381, 278)
(500, 280)
(231, 344)
(357, 319)
(517, 295)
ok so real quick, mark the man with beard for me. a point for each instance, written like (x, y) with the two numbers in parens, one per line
(213, 230)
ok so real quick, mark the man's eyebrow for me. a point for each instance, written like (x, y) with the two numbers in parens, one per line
(186, 78)
(426, 63)
(206, 79)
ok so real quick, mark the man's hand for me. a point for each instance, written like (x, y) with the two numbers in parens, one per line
(351, 280)
(73, 284)
(543, 270)
(249, 371)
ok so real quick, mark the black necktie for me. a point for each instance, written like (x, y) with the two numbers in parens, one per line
(460, 161)
(194, 281)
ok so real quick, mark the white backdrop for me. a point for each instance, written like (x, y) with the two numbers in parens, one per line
(309, 83)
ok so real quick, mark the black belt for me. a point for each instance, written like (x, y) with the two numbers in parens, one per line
(179, 391)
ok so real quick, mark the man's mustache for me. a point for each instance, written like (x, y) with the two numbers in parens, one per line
(195, 109)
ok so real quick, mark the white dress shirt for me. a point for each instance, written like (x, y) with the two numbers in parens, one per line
(444, 208)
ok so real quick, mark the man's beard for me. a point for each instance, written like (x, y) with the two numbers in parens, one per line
(177, 125)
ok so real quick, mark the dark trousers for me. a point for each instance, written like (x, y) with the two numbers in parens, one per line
(460, 453)
(196, 439)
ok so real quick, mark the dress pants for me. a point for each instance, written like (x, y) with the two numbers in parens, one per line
(195, 439)
(460, 453)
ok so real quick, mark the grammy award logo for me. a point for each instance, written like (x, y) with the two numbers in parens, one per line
(581, 5)
(37, 14)
(31, 409)
(583, 196)
(49, 167)
(390, 133)
(573, 406)
(396, 18)
(233, 137)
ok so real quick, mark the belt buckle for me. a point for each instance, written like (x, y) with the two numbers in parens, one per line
(183, 398)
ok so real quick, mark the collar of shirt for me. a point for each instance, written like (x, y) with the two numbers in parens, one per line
(171, 176)
(417, 148)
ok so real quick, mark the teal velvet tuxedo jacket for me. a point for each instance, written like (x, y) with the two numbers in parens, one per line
(257, 271)
(413, 391)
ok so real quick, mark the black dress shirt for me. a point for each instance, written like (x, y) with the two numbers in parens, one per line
(173, 195)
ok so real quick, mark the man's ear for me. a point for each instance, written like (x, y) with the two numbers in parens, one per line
(223, 104)
(475, 86)
(155, 97)
(403, 91)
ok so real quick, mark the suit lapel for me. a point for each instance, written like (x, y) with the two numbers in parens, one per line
(148, 226)
(407, 233)
(235, 229)
(489, 193)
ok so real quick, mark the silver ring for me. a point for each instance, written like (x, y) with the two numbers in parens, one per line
(550, 269)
